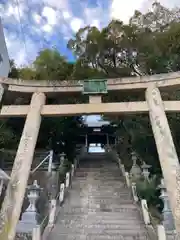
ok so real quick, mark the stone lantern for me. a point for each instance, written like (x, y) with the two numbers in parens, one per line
(145, 170)
(62, 157)
(135, 172)
(30, 216)
(168, 220)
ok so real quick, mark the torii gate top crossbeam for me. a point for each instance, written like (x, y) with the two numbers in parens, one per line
(161, 81)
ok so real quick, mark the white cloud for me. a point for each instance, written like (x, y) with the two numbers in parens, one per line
(59, 4)
(76, 24)
(50, 15)
(95, 23)
(67, 34)
(96, 16)
(47, 28)
(22, 53)
(66, 15)
(37, 18)
(123, 10)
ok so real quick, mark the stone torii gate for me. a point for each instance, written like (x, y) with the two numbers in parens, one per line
(37, 108)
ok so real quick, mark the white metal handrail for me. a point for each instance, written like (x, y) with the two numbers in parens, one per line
(4, 175)
(50, 157)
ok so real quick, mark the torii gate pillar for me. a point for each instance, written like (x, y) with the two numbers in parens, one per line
(166, 150)
(13, 201)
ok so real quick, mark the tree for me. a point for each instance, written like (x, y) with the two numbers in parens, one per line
(51, 65)
(158, 19)
(27, 73)
(14, 73)
(107, 50)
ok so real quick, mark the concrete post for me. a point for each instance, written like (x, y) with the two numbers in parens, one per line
(52, 213)
(127, 179)
(161, 232)
(50, 161)
(123, 170)
(166, 151)
(134, 192)
(67, 181)
(36, 234)
(61, 194)
(145, 211)
(72, 170)
(13, 201)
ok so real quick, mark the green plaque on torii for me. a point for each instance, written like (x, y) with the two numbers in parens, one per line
(95, 86)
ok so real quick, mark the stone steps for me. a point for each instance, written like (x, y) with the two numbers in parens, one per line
(99, 206)
(103, 226)
(102, 194)
(112, 184)
(99, 220)
(109, 215)
(99, 237)
(98, 229)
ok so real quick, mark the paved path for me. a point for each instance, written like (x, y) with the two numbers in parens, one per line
(99, 206)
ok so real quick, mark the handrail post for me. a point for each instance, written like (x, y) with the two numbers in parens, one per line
(127, 179)
(161, 232)
(72, 170)
(67, 181)
(36, 234)
(61, 194)
(145, 212)
(52, 212)
(134, 192)
(123, 169)
(50, 161)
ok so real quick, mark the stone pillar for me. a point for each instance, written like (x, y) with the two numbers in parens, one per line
(166, 150)
(12, 204)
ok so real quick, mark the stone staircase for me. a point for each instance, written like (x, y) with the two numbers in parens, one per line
(99, 206)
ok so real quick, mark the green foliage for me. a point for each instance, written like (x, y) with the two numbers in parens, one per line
(7, 136)
(148, 190)
(27, 73)
(60, 134)
(50, 65)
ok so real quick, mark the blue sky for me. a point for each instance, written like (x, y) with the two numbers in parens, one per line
(31, 25)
